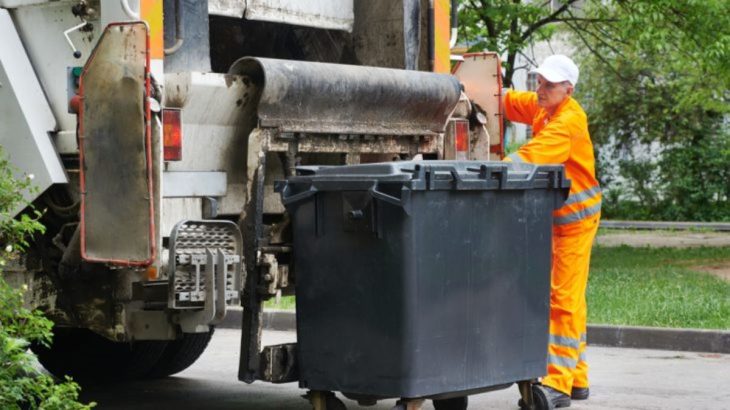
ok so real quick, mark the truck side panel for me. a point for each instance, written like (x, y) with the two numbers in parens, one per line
(25, 115)
(330, 14)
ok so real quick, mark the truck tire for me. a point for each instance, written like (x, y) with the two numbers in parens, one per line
(91, 358)
(180, 354)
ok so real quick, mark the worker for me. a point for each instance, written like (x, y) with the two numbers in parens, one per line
(560, 136)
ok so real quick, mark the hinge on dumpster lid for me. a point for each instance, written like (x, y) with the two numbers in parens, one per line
(205, 265)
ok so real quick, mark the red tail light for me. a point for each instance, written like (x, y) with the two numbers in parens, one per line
(461, 139)
(172, 133)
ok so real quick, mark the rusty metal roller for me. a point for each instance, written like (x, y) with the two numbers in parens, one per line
(327, 98)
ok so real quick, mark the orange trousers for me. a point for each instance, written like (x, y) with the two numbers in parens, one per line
(567, 366)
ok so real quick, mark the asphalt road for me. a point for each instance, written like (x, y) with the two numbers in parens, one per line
(621, 379)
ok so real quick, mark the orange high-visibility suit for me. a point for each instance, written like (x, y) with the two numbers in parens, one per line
(563, 139)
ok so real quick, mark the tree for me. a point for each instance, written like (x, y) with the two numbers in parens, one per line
(655, 83)
(21, 386)
(509, 27)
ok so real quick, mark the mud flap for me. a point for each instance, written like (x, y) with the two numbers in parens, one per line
(117, 207)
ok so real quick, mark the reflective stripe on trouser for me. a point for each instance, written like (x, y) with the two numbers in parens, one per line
(580, 376)
(571, 258)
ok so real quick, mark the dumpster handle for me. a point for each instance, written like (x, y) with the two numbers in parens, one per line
(383, 196)
(488, 173)
(457, 178)
(453, 172)
(288, 200)
(401, 202)
(531, 175)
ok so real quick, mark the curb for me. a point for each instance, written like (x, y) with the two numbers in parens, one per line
(685, 340)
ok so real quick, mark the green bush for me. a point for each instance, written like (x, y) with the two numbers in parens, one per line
(22, 386)
(688, 183)
(654, 81)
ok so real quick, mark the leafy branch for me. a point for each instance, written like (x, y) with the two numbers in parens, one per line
(22, 386)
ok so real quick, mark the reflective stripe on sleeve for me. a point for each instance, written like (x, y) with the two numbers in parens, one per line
(578, 215)
(562, 361)
(582, 357)
(582, 337)
(583, 195)
(564, 341)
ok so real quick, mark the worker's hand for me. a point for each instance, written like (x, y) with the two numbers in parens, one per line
(504, 92)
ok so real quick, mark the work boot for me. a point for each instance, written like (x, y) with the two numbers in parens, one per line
(558, 398)
(580, 393)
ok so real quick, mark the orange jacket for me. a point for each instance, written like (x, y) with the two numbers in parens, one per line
(560, 139)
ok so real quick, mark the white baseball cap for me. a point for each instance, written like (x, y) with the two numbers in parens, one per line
(558, 68)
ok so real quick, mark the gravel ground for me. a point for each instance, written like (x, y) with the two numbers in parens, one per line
(676, 239)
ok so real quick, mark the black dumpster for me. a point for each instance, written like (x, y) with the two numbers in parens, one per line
(416, 279)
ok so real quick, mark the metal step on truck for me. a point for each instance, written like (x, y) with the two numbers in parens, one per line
(155, 131)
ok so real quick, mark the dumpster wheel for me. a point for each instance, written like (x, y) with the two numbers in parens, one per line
(408, 404)
(455, 403)
(534, 396)
(324, 400)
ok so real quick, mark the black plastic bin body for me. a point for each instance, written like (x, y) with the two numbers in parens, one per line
(416, 279)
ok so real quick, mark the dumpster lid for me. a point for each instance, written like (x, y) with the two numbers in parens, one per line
(381, 180)
(435, 175)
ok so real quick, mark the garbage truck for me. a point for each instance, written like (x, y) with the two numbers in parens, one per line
(154, 132)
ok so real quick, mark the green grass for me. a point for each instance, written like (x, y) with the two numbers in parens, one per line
(657, 287)
(648, 287)
(286, 303)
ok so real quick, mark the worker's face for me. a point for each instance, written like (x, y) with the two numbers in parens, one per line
(550, 95)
